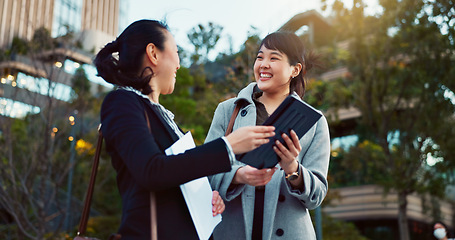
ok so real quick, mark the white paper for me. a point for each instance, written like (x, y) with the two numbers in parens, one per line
(197, 193)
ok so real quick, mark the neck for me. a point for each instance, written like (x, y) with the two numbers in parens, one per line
(155, 97)
(277, 97)
(272, 101)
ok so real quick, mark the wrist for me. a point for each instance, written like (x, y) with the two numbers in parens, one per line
(236, 179)
(292, 176)
(291, 168)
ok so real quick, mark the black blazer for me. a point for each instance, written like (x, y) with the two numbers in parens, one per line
(141, 165)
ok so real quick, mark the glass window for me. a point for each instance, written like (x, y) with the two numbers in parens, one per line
(344, 142)
(15, 109)
(41, 85)
(67, 17)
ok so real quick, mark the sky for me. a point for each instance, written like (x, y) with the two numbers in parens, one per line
(235, 16)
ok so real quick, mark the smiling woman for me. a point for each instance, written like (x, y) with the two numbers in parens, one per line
(137, 130)
(273, 204)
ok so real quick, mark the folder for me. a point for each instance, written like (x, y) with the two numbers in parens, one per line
(291, 114)
(197, 193)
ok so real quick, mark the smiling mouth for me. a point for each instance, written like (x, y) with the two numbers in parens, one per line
(265, 75)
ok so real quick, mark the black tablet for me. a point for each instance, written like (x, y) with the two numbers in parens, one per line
(291, 114)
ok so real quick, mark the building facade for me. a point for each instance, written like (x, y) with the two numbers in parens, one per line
(92, 24)
(20, 18)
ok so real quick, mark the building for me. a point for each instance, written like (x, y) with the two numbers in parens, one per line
(373, 212)
(92, 23)
(29, 82)
(98, 20)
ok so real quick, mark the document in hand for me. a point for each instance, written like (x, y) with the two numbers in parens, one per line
(197, 193)
(291, 114)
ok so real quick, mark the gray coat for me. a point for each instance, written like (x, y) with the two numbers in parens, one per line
(286, 213)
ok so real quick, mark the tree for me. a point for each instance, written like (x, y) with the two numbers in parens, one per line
(204, 38)
(402, 97)
(334, 229)
(35, 149)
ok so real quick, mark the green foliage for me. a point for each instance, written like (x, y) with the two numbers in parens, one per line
(35, 153)
(19, 46)
(316, 94)
(192, 102)
(361, 164)
(204, 38)
(238, 67)
(80, 83)
(333, 229)
(102, 227)
(406, 115)
(88, 107)
(9, 231)
(42, 40)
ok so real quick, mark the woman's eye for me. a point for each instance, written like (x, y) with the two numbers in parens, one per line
(258, 57)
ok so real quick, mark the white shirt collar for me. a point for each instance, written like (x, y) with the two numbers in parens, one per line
(162, 108)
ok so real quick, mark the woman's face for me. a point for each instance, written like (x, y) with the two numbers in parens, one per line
(439, 231)
(168, 64)
(272, 71)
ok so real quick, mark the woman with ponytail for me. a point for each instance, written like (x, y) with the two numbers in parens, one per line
(142, 62)
(272, 203)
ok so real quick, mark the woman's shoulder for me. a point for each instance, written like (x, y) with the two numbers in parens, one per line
(120, 93)
(228, 102)
(121, 98)
(244, 95)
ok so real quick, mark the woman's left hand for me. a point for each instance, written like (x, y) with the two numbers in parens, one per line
(288, 155)
(217, 204)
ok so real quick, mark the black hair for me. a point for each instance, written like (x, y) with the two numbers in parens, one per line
(448, 230)
(291, 45)
(131, 46)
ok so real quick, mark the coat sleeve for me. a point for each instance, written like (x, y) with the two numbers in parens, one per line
(127, 136)
(222, 181)
(314, 164)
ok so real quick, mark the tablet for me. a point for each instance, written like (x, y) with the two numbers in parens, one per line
(291, 114)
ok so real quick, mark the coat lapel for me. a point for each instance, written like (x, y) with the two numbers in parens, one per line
(161, 130)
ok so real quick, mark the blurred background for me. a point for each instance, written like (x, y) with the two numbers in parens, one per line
(385, 85)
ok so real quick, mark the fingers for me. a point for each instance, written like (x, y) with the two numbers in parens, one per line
(264, 129)
(215, 196)
(258, 142)
(293, 146)
(217, 204)
(296, 141)
(248, 138)
(256, 177)
(292, 142)
(262, 133)
(278, 151)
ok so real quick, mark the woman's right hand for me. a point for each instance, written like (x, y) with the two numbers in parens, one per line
(253, 176)
(245, 139)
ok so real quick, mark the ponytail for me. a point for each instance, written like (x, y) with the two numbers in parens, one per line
(106, 64)
(120, 61)
(311, 60)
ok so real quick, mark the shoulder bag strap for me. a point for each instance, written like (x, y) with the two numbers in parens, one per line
(153, 218)
(88, 199)
(232, 120)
